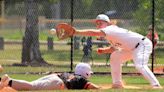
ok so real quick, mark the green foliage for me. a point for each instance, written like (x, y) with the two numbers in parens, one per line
(87, 3)
(159, 9)
(143, 14)
(53, 1)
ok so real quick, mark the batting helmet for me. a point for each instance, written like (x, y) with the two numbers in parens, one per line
(83, 69)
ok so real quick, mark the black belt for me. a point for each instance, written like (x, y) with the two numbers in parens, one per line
(139, 43)
(61, 76)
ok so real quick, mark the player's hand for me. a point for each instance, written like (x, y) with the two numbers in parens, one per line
(105, 50)
(100, 50)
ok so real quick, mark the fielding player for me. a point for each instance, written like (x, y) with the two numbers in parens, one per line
(125, 45)
(78, 80)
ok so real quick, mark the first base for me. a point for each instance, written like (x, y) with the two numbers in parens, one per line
(131, 87)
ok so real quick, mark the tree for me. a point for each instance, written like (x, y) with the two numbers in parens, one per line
(31, 54)
(99, 6)
(143, 14)
(65, 8)
(79, 7)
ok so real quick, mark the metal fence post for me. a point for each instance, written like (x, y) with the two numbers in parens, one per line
(1, 43)
(50, 43)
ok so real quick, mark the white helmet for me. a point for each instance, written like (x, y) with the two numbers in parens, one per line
(83, 69)
(103, 17)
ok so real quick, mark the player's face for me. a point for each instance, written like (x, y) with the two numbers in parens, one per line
(101, 24)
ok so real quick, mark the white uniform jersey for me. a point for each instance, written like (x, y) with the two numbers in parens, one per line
(122, 38)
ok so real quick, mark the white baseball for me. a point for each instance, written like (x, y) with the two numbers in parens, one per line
(52, 29)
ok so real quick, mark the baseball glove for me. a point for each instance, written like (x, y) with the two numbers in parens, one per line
(64, 31)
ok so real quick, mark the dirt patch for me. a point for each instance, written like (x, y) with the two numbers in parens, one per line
(109, 86)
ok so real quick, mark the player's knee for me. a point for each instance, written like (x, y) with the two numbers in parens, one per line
(60, 85)
(139, 67)
(114, 58)
(24, 87)
(28, 86)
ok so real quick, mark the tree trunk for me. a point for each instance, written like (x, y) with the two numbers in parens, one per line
(65, 8)
(31, 54)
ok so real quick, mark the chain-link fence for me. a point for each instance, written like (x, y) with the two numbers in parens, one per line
(18, 17)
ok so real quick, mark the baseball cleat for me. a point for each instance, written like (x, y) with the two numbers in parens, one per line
(1, 86)
(119, 86)
(4, 80)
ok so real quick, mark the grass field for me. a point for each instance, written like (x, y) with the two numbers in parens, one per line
(137, 81)
(60, 58)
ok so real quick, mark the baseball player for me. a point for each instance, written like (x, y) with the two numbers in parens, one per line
(78, 80)
(125, 45)
(149, 35)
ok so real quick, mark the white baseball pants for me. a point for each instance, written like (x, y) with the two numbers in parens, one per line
(140, 57)
(49, 82)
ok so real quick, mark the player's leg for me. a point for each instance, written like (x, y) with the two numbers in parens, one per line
(49, 82)
(141, 57)
(116, 60)
(21, 84)
(16, 84)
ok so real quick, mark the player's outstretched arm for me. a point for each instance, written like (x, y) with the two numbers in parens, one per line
(90, 85)
(64, 30)
(89, 32)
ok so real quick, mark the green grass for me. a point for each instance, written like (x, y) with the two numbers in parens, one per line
(60, 57)
(99, 79)
(60, 53)
(12, 34)
(17, 34)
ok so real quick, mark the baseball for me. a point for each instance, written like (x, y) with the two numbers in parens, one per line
(52, 31)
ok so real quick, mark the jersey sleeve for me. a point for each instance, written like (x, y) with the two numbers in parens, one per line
(105, 30)
(78, 82)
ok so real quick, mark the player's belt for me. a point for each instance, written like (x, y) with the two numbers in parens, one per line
(64, 78)
(139, 43)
